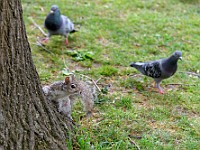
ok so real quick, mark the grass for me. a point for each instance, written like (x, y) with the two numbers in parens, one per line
(112, 34)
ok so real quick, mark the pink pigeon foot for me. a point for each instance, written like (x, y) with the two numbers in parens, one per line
(45, 40)
(161, 92)
(66, 42)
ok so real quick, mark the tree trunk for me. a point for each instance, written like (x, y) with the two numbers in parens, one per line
(27, 120)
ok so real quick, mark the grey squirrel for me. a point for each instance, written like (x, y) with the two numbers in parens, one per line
(66, 92)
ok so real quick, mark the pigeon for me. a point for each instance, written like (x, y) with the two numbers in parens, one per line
(159, 69)
(58, 24)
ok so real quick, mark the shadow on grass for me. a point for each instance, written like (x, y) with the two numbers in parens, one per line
(190, 1)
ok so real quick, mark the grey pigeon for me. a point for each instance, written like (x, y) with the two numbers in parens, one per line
(58, 24)
(159, 69)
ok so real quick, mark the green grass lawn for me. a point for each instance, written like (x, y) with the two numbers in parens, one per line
(112, 34)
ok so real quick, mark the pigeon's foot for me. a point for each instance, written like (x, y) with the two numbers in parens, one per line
(66, 41)
(45, 40)
(161, 92)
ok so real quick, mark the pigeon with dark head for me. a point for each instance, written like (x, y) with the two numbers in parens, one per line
(159, 69)
(58, 24)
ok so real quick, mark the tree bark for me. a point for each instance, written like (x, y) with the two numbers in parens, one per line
(27, 119)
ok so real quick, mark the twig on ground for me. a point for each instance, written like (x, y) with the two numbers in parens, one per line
(36, 25)
(181, 84)
(190, 73)
(39, 44)
(135, 75)
(133, 142)
(98, 80)
(94, 82)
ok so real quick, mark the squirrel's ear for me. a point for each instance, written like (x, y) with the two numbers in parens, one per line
(73, 77)
(67, 80)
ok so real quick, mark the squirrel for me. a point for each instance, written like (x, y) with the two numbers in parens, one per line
(66, 92)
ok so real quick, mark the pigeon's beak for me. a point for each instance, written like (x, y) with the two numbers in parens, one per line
(180, 58)
(51, 11)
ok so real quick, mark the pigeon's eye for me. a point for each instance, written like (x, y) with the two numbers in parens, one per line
(73, 86)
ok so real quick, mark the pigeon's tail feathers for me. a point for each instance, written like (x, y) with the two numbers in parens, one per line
(73, 31)
(139, 66)
(136, 65)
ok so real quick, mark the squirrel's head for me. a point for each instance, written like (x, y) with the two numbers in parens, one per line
(71, 85)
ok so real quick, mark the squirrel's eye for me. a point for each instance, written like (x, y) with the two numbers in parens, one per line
(73, 86)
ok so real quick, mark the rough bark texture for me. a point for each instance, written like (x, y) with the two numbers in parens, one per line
(27, 120)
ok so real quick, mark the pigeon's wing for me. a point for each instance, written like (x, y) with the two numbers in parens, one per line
(152, 69)
(139, 66)
(67, 24)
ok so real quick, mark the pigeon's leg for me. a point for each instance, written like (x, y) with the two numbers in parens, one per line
(66, 41)
(159, 88)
